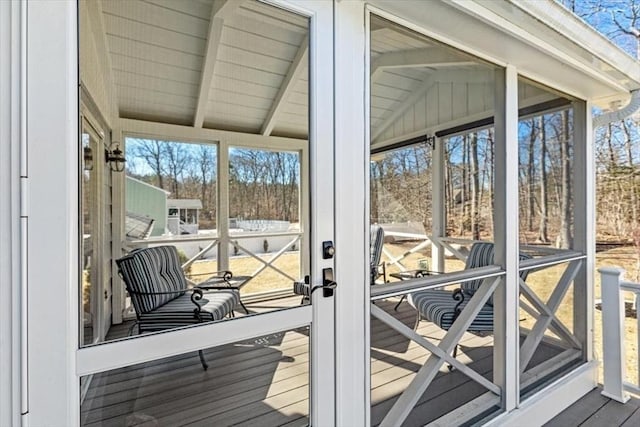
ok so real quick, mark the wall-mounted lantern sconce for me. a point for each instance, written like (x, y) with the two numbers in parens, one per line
(115, 158)
(88, 158)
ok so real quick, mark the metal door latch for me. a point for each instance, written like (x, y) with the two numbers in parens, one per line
(328, 285)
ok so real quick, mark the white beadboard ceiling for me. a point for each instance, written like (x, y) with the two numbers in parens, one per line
(241, 65)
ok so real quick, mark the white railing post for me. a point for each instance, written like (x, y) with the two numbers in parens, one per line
(613, 334)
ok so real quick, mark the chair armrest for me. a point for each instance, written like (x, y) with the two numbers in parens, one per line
(210, 287)
(224, 275)
(458, 295)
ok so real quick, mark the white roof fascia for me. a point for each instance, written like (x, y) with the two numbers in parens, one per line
(506, 20)
(582, 34)
(503, 34)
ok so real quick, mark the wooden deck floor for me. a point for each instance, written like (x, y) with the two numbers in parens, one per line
(265, 381)
(595, 410)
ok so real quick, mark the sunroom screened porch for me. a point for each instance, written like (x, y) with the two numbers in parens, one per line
(422, 73)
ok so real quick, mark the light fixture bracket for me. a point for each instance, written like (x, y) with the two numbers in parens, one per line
(115, 158)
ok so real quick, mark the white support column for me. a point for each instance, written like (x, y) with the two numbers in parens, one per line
(53, 242)
(352, 220)
(584, 224)
(223, 206)
(439, 220)
(613, 335)
(506, 297)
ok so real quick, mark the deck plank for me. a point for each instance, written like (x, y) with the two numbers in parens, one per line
(611, 414)
(580, 411)
(633, 420)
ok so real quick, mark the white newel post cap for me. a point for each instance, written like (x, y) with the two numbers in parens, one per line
(611, 271)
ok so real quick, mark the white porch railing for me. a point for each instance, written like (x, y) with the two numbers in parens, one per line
(423, 241)
(451, 245)
(244, 242)
(613, 333)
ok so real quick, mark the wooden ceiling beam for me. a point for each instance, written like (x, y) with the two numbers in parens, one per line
(220, 10)
(403, 107)
(293, 75)
(417, 58)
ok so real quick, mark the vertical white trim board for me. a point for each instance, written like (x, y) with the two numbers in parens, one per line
(53, 274)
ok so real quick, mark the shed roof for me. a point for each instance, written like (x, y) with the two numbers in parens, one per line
(184, 203)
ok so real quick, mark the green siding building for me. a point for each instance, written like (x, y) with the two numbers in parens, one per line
(147, 200)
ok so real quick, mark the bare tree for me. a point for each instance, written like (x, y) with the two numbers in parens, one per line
(544, 199)
(475, 187)
(151, 151)
(531, 175)
(565, 238)
(205, 160)
(618, 20)
(177, 158)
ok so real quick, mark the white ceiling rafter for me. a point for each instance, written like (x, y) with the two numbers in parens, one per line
(220, 10)
(376, 72)
(417, 58)
(404, 106)
(468, 76)
(293, 75)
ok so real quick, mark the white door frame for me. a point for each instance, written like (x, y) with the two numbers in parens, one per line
(353, 363)
(55, 362)
(96, 185)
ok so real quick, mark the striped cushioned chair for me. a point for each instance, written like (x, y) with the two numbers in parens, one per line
(376, 242)
(442, 307)
(158, 289)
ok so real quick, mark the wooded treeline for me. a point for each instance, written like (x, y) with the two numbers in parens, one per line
(262, 184)
(617, 144)
(618, 180)
(401, 182)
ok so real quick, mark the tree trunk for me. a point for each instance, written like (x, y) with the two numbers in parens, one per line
(632, 181)
(448, 183)
(544, 200)
(612, 152)
(475, 190)
(463, 190)
(531, 177)
(565, 222)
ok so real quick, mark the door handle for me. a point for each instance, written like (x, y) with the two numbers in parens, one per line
(328, 284)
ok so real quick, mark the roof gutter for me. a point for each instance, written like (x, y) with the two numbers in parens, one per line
(631, 108)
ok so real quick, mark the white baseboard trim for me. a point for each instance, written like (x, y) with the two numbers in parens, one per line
(552, 399)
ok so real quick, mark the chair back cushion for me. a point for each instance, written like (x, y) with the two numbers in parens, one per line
(481, 255)
(156, 269)
(376, 242)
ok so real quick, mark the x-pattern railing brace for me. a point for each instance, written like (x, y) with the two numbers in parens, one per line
(439, 354)
(450, 248)
(397, 260)
(556, 327)
(200, 254)
(269, 264)
(547, 312)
